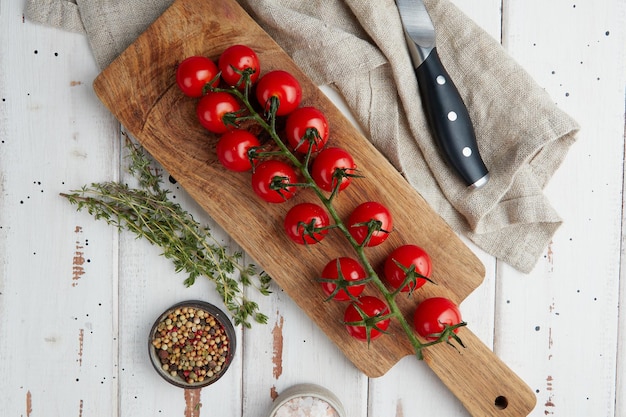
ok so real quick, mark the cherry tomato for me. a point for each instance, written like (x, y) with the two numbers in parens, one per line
(329, 167)
(269, 181)
(374, 214)
(408, 257)
(351, 271)
(306, 127)
(284, 87)
(212, 108)
(232, 149)
(432, 314)
(302, 222)
(371, 307)
(194, 73)
(239, 58)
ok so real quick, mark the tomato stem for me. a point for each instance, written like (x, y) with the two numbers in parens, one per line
(411, 276)
(268, 123)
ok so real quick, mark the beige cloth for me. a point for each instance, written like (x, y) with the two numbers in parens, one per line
(358, 47)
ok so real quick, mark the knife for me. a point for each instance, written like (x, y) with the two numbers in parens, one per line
(447, 116)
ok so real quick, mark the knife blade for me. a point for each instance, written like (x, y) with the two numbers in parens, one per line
(446, 113)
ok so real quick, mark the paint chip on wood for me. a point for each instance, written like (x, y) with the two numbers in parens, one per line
(78, 260)
(192, 402)
(277, 357)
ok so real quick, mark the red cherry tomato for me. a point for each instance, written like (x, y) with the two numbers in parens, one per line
(432, 314)
(411, 258)
(237, 59)
(232, 149)
(194, 73)
(270, 179)
(325, 168)
(212, 108)
(374, 214)
(351, 271)
(370, 307)
(284, 87)
(306, 127)
(302, 222)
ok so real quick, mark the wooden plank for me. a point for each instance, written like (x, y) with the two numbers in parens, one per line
(620, 380)
(57, 298)
(148, 286)
(565, 312)
(396, 391)
(292, 350)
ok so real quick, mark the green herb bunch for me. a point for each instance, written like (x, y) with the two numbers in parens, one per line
(149, 213)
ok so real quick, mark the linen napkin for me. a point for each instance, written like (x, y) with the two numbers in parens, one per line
(359, 48)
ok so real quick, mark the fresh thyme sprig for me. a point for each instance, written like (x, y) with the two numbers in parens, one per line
(149, 213)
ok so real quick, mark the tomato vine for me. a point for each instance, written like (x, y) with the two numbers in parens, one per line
(359, 231)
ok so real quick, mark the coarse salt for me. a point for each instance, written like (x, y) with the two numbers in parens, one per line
(306, 407)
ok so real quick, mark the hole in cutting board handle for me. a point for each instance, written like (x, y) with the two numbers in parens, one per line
(501, 402)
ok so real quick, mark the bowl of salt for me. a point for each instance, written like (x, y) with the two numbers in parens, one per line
(306, 400)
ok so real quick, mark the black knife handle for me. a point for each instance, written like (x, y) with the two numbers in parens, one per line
(449, 121)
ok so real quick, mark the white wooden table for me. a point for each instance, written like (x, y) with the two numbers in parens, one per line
(77, 298)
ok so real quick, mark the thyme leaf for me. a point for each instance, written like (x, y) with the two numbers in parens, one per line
(149, 213)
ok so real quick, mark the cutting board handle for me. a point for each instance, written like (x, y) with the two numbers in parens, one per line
(479, 379)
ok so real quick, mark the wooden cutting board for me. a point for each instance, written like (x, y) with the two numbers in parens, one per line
(139, 88)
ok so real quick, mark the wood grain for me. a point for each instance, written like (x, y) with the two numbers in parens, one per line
(139, 89)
